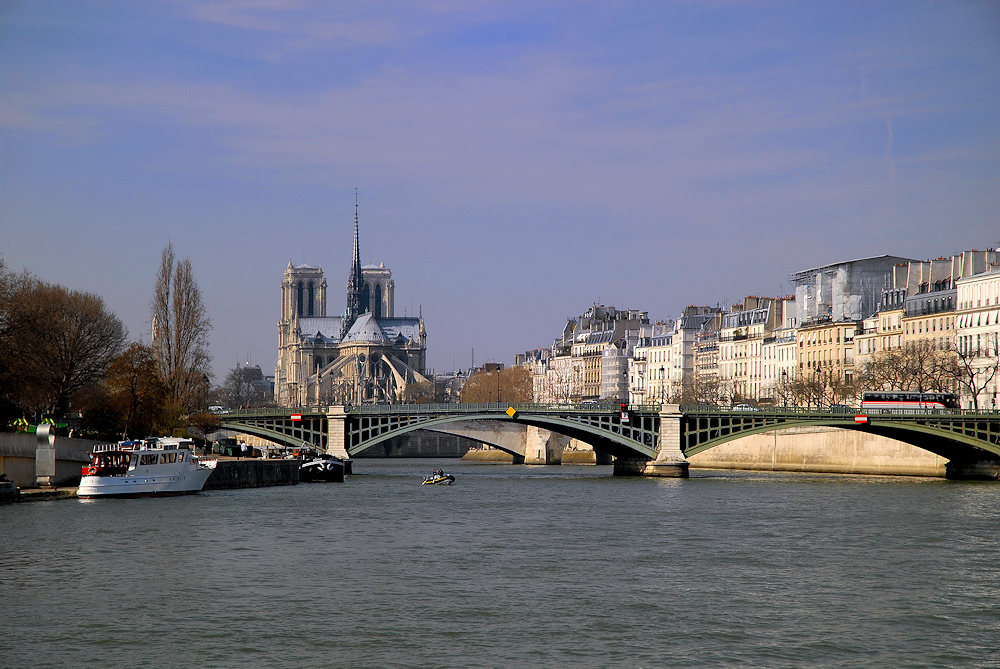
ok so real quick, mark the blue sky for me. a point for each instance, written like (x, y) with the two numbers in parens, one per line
(515, 162)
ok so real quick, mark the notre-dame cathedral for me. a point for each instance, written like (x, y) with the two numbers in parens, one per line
(365, 355)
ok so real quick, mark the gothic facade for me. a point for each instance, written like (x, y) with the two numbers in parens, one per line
(365, 355)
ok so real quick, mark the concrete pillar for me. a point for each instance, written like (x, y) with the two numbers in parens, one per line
(670, 460)
(543, 447)
(336, 438)
(45, 455)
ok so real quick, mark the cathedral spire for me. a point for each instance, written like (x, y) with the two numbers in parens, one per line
(357, 252)
(355, 283)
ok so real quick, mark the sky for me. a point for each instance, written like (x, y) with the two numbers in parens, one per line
(514, 163)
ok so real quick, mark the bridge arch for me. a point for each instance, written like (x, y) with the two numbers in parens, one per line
(945, 435)
(614, 444)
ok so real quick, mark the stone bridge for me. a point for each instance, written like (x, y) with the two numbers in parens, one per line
(649, 440)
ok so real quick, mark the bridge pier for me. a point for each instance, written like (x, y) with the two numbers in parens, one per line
(670, 461)
(336, 438)
(987, 469)
(543, 447)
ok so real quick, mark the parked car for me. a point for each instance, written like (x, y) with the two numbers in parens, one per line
(745, 407)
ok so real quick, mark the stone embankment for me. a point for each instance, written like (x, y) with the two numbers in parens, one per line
(490, 455)
(248, 473)
(816, 449)
(569, 457)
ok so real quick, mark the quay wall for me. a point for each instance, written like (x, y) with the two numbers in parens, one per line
(822, 449)
(488, 455)
(248, 473)
(17, 457)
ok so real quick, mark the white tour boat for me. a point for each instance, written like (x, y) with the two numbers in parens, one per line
(146, 468)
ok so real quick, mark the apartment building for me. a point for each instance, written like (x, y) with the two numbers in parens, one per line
(977, 333)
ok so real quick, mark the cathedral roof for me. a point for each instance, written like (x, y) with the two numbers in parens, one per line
(321, 329)
(366, 328)
(407, 328)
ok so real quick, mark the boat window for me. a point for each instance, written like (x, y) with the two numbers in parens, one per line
(180, 457)
(148, 459)
(168, 458)
(133, 461)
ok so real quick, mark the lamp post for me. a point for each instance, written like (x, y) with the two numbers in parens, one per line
(819, 383)
(784, 387)
(663, 393)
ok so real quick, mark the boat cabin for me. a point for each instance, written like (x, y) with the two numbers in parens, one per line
(121, 458)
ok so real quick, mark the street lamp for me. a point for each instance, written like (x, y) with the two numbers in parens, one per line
(784, 387)
(819, 386)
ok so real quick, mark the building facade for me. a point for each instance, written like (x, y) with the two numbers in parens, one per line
(977, 335)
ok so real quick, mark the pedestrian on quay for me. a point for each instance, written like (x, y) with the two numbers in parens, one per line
(243, 448)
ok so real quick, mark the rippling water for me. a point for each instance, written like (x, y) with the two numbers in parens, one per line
(511, 567)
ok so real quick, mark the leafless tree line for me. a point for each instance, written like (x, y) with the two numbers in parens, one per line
(914, 367)
(63, 350)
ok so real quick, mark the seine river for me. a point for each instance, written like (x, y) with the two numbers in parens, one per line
(511, 567)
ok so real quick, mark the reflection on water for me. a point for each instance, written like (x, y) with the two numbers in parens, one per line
(511, 566)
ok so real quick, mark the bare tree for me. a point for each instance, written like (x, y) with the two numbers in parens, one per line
(86, 338)
(243, 387)
(512, 385)
(977, 365)
(180, 331)
(914, 367)
(53, 343)
(133, 401)
(422, 392)
(704, 390)
(557, 385)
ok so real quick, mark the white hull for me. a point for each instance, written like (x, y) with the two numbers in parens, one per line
(142, 486)
(154, 466)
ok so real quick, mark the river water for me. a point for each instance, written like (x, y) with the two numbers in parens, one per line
(513, 566)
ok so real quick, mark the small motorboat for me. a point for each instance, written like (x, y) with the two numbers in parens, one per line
(324, 469)
(438, 478)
